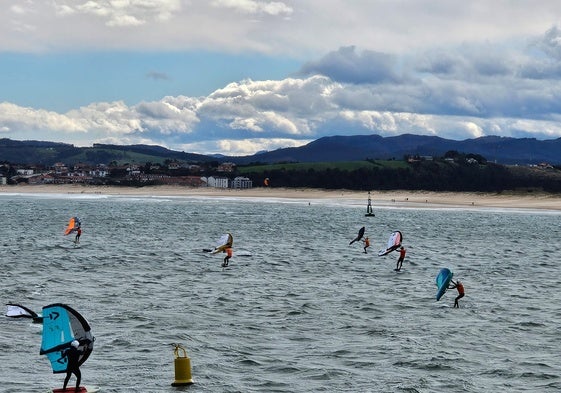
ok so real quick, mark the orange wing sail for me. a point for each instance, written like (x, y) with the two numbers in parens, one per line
(73, 224)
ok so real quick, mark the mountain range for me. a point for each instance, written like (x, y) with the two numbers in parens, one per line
(503, 150)
(348, 148)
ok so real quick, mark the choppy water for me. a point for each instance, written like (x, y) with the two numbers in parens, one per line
(305, 312)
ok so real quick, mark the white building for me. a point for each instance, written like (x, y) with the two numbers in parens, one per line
(98, 172)
(25, 172)
(217, 182)
(241, 182)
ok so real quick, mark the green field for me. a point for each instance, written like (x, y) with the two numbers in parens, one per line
(120, 157)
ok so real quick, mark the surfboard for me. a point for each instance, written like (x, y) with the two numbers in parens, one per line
(69, 245)
(82, 389)
(442, 281)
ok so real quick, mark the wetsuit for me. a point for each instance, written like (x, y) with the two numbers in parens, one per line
(460, 287)
(401, 258)
(227, 257)
(73, 367)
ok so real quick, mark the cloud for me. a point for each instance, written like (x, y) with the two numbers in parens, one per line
(242, 147)
(155, 75)
(347, 66)
(464, 86)
(550, 42)
(255, 7)
(300, 28)
(17, 9)
(14, 118)
(249, 116)
(122, 13)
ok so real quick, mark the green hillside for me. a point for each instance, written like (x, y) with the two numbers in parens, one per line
(48, 153)
(322, 166)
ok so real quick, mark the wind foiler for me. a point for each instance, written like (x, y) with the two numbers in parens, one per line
(393, 243)
(62, 325)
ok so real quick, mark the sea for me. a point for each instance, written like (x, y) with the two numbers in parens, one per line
(298, 309)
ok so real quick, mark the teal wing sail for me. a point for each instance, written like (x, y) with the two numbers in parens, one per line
(61, 325)
(442, 281)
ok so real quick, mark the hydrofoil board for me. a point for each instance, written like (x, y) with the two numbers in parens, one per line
(82, 389)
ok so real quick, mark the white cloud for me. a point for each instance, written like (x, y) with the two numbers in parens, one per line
(286, 28)
(14, 118)
(250, 116)
(17, 9)
(473, 130)
(255, 7)
(123, 12)
(435, 67)
(241, 147)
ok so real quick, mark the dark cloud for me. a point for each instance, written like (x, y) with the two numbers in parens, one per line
(157, 76)
(347, 66)
(544, 60)
(465, 63)
(550, 42)
(439, 63)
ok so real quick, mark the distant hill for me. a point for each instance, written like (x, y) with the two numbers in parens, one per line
(327, 149)
(48, 153)
(348, 148)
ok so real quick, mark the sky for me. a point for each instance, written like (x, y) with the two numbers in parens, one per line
(236, 77)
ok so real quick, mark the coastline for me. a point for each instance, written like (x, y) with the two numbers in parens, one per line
(403, 198)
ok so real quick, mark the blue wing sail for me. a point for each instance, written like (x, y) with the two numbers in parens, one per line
(61, 325)
(442, 281)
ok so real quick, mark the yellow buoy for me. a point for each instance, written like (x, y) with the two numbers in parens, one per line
(182, 367)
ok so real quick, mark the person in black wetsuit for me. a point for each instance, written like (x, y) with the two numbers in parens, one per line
(229, 253)
(72, 356)
(78, 234)
(402, 252)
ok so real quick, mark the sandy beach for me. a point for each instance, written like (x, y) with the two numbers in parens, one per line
(416, 199)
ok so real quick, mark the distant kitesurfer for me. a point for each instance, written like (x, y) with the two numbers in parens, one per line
(460, 287)
(78, 233)
(402, 252)
(72, 356)
(228, 252)
(366, 242)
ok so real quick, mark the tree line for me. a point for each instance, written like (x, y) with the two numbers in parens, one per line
(421, 175)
